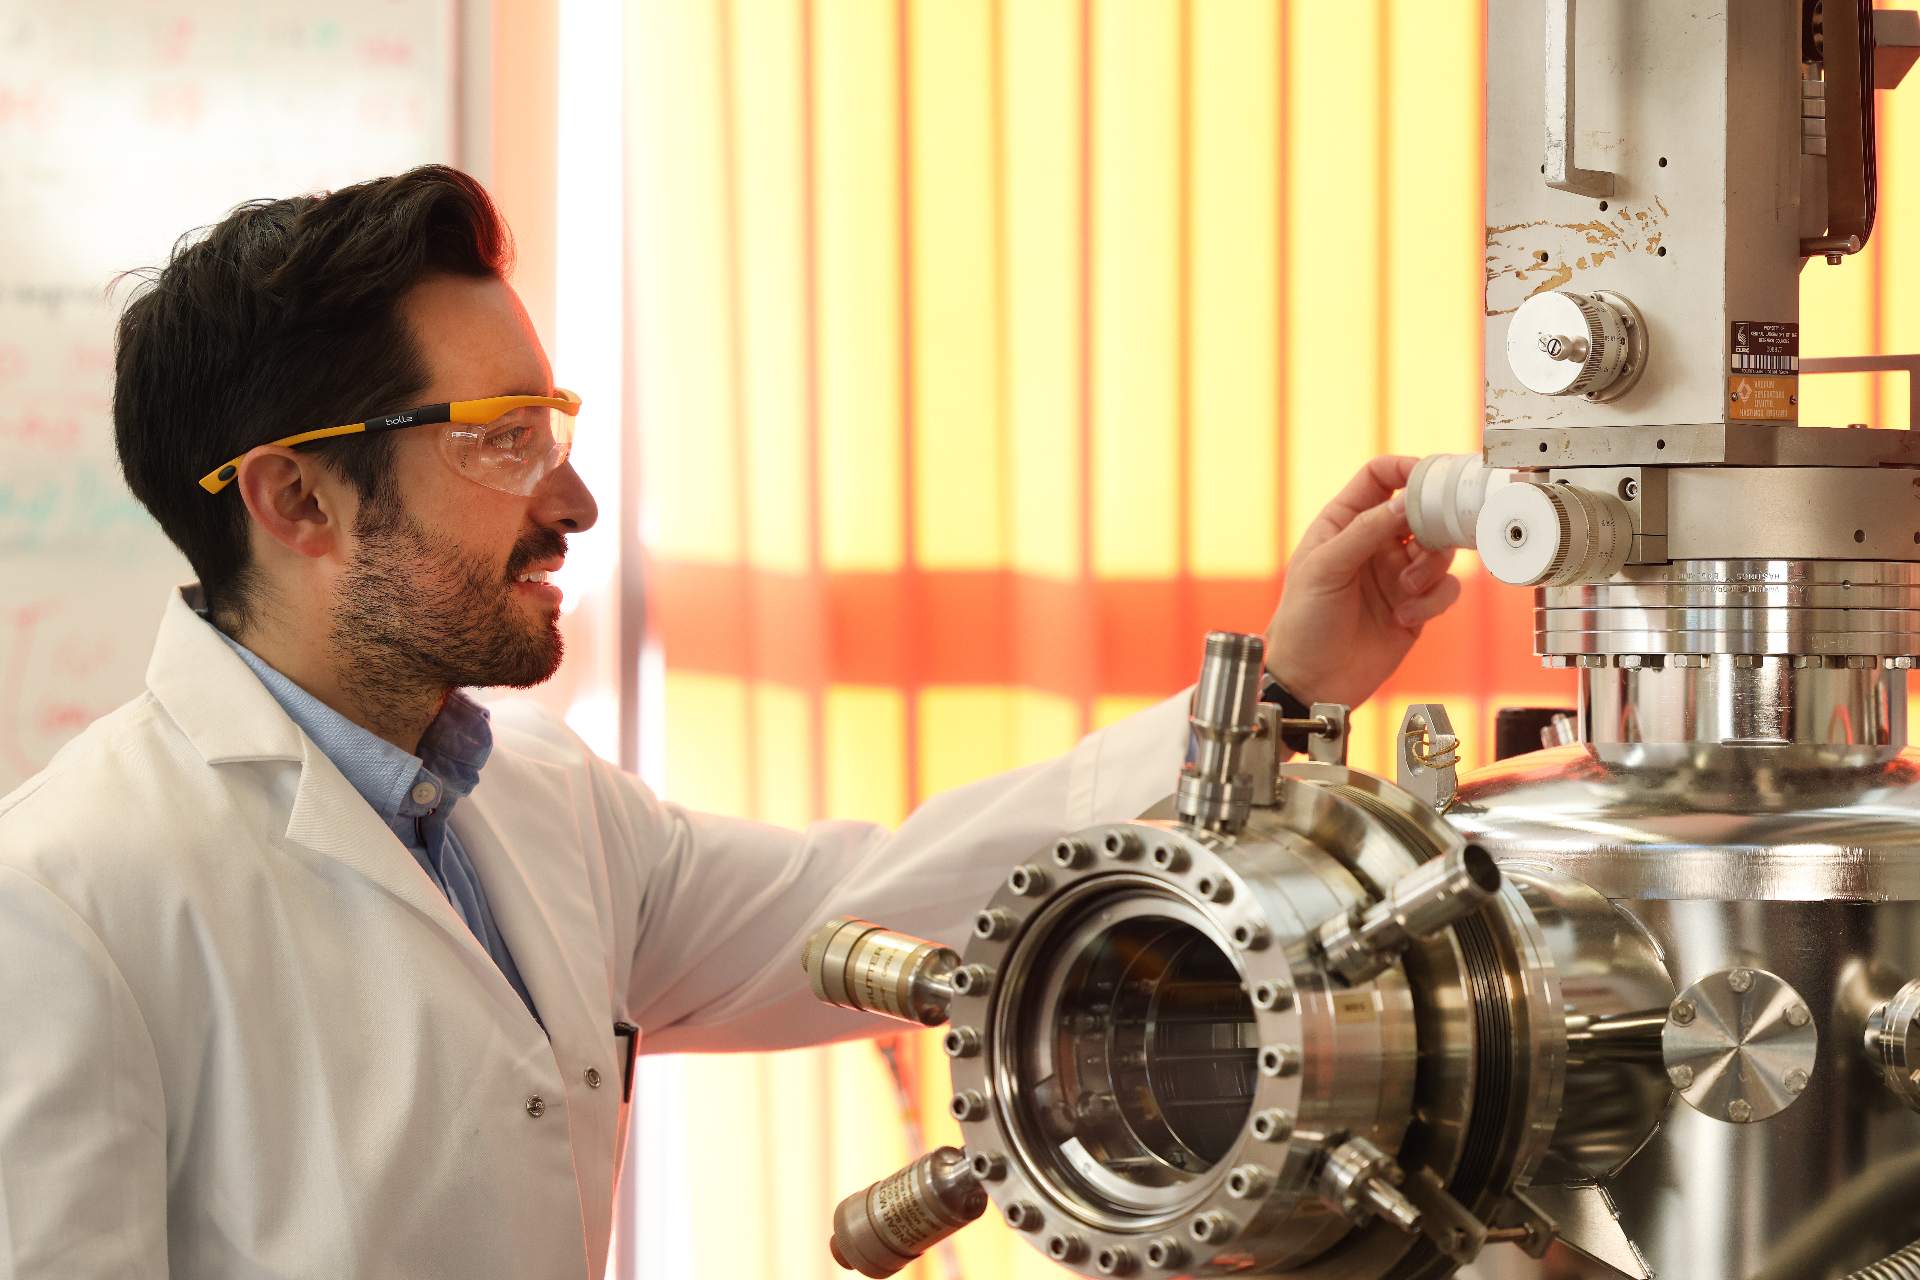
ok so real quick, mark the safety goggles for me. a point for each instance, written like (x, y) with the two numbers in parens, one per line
(509, 443)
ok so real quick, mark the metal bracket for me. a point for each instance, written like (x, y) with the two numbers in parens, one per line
(1562, 173)
(1907, 364)
(1443, 1219)
(1428, 755)
(1328, 745)
(1526, 1223)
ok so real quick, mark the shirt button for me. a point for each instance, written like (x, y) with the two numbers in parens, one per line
(593, 1077)
(425, 792)
(536, 1106)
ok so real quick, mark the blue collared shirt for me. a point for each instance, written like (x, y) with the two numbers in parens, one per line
(414, 795)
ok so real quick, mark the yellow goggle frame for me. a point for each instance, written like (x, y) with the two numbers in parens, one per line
(470, 412)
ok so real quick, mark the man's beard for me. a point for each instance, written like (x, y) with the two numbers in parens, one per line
(414, 616)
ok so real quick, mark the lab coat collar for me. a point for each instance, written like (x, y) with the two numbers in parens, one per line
(222, 708)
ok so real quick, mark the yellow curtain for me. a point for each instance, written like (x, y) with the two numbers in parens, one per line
(987, 352)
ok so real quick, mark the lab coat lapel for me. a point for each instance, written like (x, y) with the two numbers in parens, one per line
(540, 896)
(231, 718)
(332, 819)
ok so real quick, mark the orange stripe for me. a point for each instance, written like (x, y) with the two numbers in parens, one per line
(918, 628)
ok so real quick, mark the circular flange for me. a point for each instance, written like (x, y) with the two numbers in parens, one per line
(1044, 1122)
(1740, 1045)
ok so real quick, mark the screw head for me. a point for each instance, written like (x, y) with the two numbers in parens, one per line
(1739, 1111)
(1682, 1012)
(1741, 979)
(1027, 880)
(1279, 1060)
(972, 980)
(988, 1166)
(1914, 1079)
(961, 1042)
(1166, 1252)
(1022, 1216)
(1797, 1080)
(1065, 1248)
(1250, 935)
(1273, 1125)
(1069, 853)
(1215, 888)
(967, 1105)
(993, 925)
(1273, 996)
(1247, 1182)
(1682, 1076)
(1210, 1228)
(1797, 1016)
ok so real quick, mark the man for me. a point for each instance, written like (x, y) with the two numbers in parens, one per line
(309, 967)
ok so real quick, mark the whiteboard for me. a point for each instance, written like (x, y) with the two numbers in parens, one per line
(123, 124)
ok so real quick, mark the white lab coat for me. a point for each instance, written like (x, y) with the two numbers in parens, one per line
(243, 1035)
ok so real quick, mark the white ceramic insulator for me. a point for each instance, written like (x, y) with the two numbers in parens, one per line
(1553, 534)
(1444, 496)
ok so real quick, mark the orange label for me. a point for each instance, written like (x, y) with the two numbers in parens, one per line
(1756, 398)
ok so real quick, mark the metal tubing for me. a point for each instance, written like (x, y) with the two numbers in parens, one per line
(1424, 901)
(1213, 791)
(1623, 1037)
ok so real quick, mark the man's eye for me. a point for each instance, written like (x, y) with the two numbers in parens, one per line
(509, 438)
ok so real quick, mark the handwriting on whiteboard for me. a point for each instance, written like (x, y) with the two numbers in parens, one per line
(126, 123)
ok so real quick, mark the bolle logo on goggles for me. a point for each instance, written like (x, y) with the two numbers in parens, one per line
(398, 420)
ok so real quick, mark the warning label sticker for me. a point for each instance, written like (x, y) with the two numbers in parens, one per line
(1762, 399)
(1763, 371)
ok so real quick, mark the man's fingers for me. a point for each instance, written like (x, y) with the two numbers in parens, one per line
(1368, 489)
(1419, 610)
(1425, 568)
(1376, 529)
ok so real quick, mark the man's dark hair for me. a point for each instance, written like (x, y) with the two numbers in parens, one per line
(282, 317)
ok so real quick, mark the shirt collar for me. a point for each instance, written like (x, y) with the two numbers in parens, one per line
(396, 783)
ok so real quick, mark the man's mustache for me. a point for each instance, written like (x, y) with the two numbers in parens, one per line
(542, 545)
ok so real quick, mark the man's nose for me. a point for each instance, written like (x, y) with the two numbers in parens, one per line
(563, 502)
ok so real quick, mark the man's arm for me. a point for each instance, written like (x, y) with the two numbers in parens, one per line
(728, 903)
(83, 1149)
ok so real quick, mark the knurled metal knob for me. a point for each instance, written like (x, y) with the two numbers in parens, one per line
(1577, 344)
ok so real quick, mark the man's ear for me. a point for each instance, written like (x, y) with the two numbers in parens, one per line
(292, 497)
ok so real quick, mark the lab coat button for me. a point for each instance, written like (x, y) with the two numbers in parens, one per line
(593, 1077)
(425, 792)
(536, 1106)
